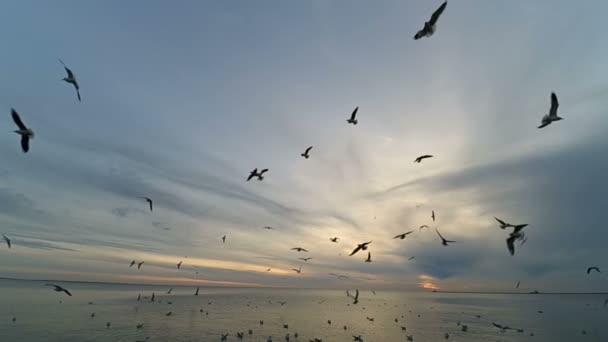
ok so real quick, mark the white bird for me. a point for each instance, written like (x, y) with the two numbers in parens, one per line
(552, 116)
(430, 26)
(25, 133)
(353, 117)
(71, 79)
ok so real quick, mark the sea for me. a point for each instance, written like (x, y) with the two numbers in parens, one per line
(33, 312)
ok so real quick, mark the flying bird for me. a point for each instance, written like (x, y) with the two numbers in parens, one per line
(139, 264)
(170, 290)
(58, 288)
(517, 285)
(593, 268)
(8, 241)
(443, 240)
(358, 338)
(305, 259)
(433, 215)
(149, 200)
(504, 225)
(306, 153)
(298, 270)
(411, 258)
(179, 265)
(334, 239)
(268, 228)
(252, 174)
(419, 159)
(355, 297)
(224, 239)
(261, 174)
(132, 263)
(430, 26)
(360, 247)
(299, 249)
(402, 236)
(353, 117)
(552, 116)
(516, 235)
(197, 289)
(369, 257)
(422, 227)
(71, 79)
(25, 132)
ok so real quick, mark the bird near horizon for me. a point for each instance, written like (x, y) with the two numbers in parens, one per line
(306, 153)
(179, 265)
(423, 157)
(360, 247)
(58, 288)
(443, 240)
(149, 200)
(224, 239)
(26, 133)
(132, 263)
(355, 297)
(353, 117)
(7, 240)
(431, 26)
(197, 289)
(516, 235)
(268, 228)
(433, 215)
(402, 236)
(71, 79)
(552, 115)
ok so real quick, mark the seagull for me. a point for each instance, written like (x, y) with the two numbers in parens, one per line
(353, 117)
(443, 241)
(139, 264)
(149, 200)
(261, 174)
(433, 215)
(282, 303)
(305, 259)
(299, 249)
(8, 241)
(132, 263)
(369, 257)
(334, 239)
(179, 265)
(357, 338)
(298, 270)
(504, 225)
(170, 290)
(419, 159)
(422, 227)
(268, 270)
(517, 234)
(429, 26)
(411, 258)
(71, 79)
(355, 297)
(552, 116)
(371, 319)
(268, 228)
(153, 297)
(305, 154)
(593, 268)
(58, 288)
(224, 239)
(252, 174)
(25, 133)
(402, 236)
(197, 289)
(361, 246)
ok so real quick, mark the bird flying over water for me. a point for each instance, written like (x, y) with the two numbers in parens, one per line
(197, 289)
(443, 240)
(299, 249)
(430, 26)
(504, 225)
(419, 159)
(8, 241)
(58, 288)
(305, 259)
(149, 200)
(71, 79)
(516, 235)
(593, 268)
(353, 117)
(422, 227)
(402, 236)
(306, 153)
(139, 264)
(25, 132)
(361, 246)
(358, 338)
(170, 290)
(179, 265)
(552, 116)
(369, 257)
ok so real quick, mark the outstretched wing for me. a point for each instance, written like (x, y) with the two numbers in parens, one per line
(502, 223)
(554, 105)
(511, 245)
(355, 251)
(25, 143)
(17, 119)
(437, 13)
(354, 114)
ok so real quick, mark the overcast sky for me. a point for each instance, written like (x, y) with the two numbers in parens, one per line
(181, 99)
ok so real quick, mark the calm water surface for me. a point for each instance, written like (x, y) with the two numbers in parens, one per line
(41, 317)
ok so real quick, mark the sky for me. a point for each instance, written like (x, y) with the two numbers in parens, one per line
(181, 100)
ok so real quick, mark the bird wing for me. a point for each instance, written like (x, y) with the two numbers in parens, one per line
(8, 241)
(400, 236)
(252, 174)
(357, 294)
(437, 13)
(17, 119)
(77, 91)
(25, 143)
(554, 105)
(502, 223)
(519, 227)
(264, 170)
(355, 251)
(308, 150)
(438, 233)
(66, 291)
(511, 245)
(354, 113)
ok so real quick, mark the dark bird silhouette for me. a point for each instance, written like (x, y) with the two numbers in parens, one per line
(170, 290)
(360, 247)
(358, 338)
(504, 225)
(58, 288)
(443, 240)
(369, 257)
(421, 158)
(197, 289)
(298, 270)
(268, 228)
(224, 239)
(334, 239)
(552, 116)
(8, 241)
(179, 265)
(433, 215)
(252, 174)
(132, 263)
(593, 268)
(516, 235)
(299, 249)
(430, 26)
(153, 297)
(25, 132)
(402, 236)
(71, 79)
(169, 313)
(139, 264)
(517, 285)
(411, 258)
(305, 259)
(149, 200)
(422, 227)
(306, 153)
(353, 117)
